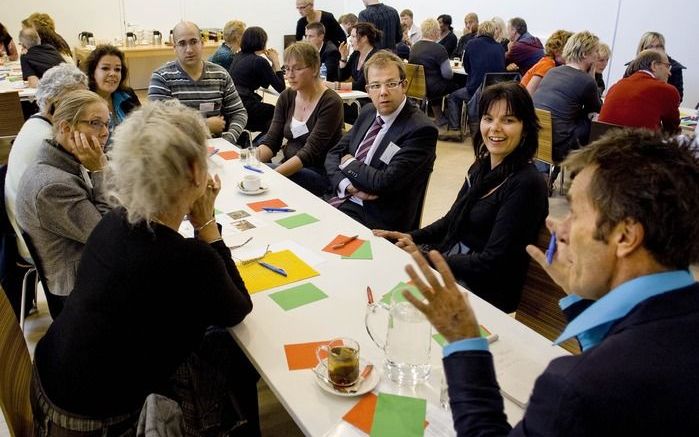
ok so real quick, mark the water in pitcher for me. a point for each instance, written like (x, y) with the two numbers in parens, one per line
(408, 345)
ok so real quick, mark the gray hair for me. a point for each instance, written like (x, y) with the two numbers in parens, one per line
(152, 155)
(644, 61)
(29, 37)
(56, 81)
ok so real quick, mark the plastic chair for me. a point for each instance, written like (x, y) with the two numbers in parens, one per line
(417, 84)
(544, 152)
(15, 373)
(12, 116)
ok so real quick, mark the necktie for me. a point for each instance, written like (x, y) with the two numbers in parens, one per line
(361, 153)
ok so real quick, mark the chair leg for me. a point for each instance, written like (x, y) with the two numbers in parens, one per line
(550, 181)
(561, 190)
(30, 279)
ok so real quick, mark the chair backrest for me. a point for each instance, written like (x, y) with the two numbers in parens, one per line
(545, 150)
(15, 373)
(417, 85)
(38, 264)
(12, 115)
(493, 78)
(599, 128)
(538, 307)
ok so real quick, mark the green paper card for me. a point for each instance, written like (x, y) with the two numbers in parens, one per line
(295, 297)
(401, 286)
(399, 416)
(439, 338)
(364, 252)
(297, 220)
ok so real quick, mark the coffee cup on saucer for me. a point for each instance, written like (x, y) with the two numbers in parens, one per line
(251, 182)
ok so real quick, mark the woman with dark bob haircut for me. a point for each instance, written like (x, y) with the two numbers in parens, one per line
(250, 69)
(107, 74)
(501, 206)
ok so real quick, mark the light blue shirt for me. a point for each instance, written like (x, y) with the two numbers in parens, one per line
(592, 325)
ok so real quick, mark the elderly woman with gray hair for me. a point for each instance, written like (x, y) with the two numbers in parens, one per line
(140, 318)
(55, 83)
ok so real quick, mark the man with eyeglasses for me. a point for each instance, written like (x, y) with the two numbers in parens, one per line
(380, 168)
(333, 31)
(644, 98)
(200, 84)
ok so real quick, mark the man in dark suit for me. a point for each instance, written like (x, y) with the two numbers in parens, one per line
(623, 255)
(379, 170)
(329, 54)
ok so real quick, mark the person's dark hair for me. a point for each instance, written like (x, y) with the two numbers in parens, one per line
(254, 39)
(369, 30)
(317, 26)
(446, 19)
(483, 178)
(519, 25)
(94, 59)
(3, 31)
(648, 178)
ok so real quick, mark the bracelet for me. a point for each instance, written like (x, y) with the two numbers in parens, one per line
(215, 241)
(213, 219)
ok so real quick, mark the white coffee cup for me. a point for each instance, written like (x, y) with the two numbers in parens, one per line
(251, 182)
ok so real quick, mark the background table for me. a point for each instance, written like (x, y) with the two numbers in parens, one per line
(11, 80)
(520, 354)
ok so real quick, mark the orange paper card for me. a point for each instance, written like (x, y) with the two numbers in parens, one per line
(271, 203)
(362, 414)
(228, 154)
(346, 250)
(303, 355)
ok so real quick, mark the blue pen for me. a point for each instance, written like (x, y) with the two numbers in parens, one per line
(213, 152)
(277, 270)
(279, 209)
(551, 250)
(251, 168)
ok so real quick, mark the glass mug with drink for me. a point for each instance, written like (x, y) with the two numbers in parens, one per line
(341, 361)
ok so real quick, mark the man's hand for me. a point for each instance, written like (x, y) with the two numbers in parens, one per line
(88, 152)
(404, 241)
(512, 67)
(560, 269)
(216, 124)
(360, 194)
(343, 49)
(446, 308)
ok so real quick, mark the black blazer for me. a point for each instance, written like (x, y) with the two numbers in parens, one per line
(641, 380)
(330, 56)
(401, 183)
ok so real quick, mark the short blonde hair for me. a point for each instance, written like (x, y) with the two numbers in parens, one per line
(233, 31)
(430, 28)
(486, 28)
(382, 59)
(72, 106)
(556, 42)
(305, 52)
(499, 27)
(152, 155)
(579, 46)
(604, 51)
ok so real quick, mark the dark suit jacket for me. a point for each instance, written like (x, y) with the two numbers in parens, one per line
(641, 380)
(401, 183)
(330, 56)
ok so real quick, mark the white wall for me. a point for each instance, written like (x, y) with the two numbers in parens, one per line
(619, 23)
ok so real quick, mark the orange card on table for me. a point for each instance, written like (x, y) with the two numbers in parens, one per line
(346, 250)
(271, 203)
(229, 154)
(362, 414)
(303, 355)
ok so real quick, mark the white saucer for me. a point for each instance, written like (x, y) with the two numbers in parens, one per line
(251, 192)
(364, 387)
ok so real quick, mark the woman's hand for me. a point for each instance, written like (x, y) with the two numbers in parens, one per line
(273, 56)
(344, 50)
(203, 208)
(88, 152)
(404, 241)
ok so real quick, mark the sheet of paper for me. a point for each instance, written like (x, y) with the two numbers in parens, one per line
(257, 248)
(270, 203)
(364, 252)
(401, 286)
(485, 333)
(440, 423)
(300, 295)
(362, 414)
(297, 220)
(303, 355)
(516, 373)
(228, 154)
(399, 416)
(258, 278)
(348, 249)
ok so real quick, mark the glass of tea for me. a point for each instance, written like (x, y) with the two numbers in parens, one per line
(341, 357)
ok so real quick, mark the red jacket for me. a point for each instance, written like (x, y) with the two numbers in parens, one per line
(641, 100)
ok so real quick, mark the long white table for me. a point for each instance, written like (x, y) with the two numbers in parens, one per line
(520, 354)
(11, 81)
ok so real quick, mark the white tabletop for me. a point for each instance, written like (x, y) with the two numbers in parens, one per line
(12, 70)
(348, 97)
(457, 69)
(520, 354)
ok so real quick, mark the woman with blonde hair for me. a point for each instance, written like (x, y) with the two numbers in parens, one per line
(62, 195)
(656, 41)
(232, 35)
(500, 34)
(149, 307)
(553, 57)
(603, 55)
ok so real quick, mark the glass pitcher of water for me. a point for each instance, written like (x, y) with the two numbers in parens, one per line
(406, 342)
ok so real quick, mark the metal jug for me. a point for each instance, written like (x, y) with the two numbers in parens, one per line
(130, 39)
(157, 38)
(407, 341)
(84, 38)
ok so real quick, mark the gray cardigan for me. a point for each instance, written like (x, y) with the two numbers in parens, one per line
(58, 207)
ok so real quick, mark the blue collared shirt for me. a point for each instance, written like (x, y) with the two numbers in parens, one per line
(592, 325)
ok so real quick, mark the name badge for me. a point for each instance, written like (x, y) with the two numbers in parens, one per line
(298, 130)
(206, 107)
(388, 154)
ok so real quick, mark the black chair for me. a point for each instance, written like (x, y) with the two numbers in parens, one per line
(54, 302)
(599, 128)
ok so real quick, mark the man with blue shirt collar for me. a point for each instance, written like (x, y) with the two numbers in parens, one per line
(623, 256)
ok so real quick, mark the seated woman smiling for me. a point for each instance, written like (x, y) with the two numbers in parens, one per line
(149, 307)
(501, 206)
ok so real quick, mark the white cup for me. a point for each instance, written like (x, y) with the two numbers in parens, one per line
(251, 182)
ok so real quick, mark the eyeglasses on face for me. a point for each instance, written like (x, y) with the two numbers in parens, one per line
(183, 44)
(96, 124)
(288, 70)
(299, 7)
(376, 86)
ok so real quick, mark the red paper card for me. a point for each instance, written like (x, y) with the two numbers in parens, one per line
(229, 154)
(303, 355)
(271, 203)
(346, 250)
(362, 414)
